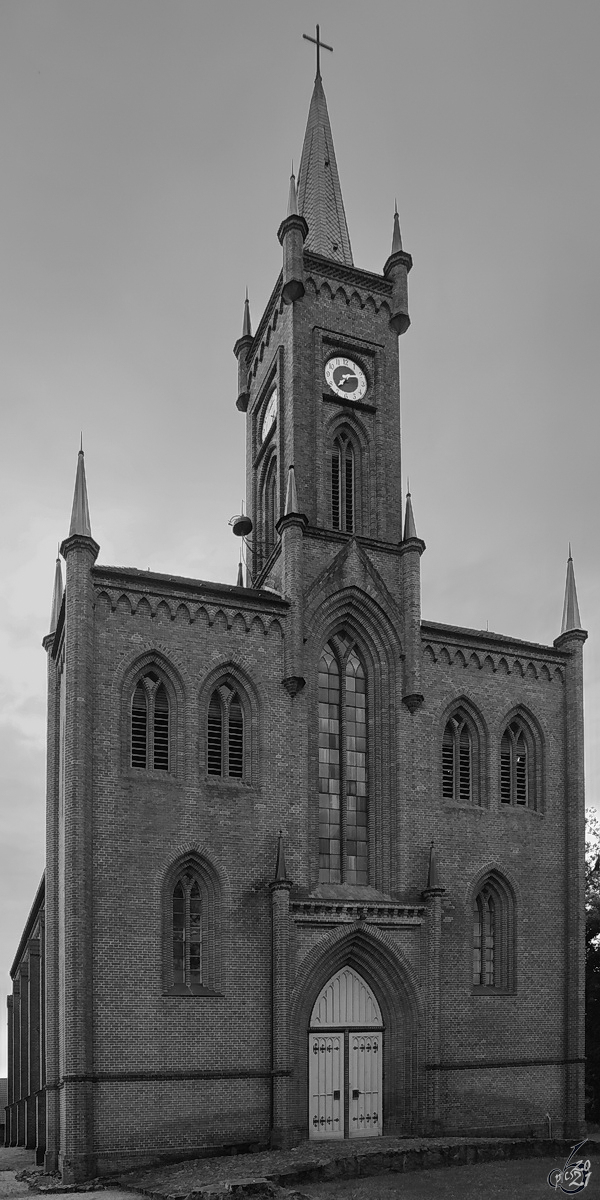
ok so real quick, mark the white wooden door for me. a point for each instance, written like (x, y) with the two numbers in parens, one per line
(326, 1085)
(364, 1085)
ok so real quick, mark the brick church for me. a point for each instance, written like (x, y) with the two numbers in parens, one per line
(314, 864)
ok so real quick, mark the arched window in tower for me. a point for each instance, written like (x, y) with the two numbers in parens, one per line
(343, 485)
(187, 933)
(225, 733)
(270, 508)
(150, 724)
(516, 783)
(493, 934)
(343, 784)
(457, 759)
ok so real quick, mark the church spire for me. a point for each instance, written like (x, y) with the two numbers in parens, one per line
(571, 619)
(80, 515)
(396, 236)
(319, 192)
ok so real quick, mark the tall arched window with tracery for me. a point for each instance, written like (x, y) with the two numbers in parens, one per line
(187, 933)
(517, 783)
(191, 927)
(493, 935)
(150, 720)
(343, 480)
(270, 511)
(457, 759)
(225, 733)
(343, 781)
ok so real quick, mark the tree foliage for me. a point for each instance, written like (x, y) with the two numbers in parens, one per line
(592, 967)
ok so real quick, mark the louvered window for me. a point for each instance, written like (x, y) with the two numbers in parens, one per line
(343, 784)
(514, 766)
(343, 485)
(187, 933)
(150, 719)
(225, 733)
(457, 759)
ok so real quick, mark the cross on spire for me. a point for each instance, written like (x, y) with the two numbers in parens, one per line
(318, 43)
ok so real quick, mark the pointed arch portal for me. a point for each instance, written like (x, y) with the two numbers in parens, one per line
(345, 1054)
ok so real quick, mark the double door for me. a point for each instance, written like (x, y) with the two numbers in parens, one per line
(345, 1075)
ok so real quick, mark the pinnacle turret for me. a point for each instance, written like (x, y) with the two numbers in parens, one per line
(80, 515)
(410, 529)
(292, 208)
(291, 498)
(57, 596)
(240, 350)
(396, 236)
(246, 323)
(571, 619)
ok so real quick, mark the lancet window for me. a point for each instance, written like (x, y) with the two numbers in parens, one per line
(225, 733)
(457, 759)
(515, 766)
(270, 509)
(187, 933)
(343, 485)
(493, 935)
(150, 724)
(343, 780)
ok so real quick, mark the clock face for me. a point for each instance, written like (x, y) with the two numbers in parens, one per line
(345, 378)
(270, 415)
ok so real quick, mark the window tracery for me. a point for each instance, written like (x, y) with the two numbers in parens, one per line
(343, 784)
(150, 724)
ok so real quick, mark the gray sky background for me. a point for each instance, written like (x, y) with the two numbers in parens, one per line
(146, 151)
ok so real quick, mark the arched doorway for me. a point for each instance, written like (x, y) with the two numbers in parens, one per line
(345, 1054)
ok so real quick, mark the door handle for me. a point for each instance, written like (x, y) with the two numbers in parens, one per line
(355, 1093)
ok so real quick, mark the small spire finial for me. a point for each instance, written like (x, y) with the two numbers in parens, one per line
(246, 323)
(410, 529)
(571, 618)
(396, 236)
(432, 872)
(57, 595)
(292, 208)
(280, 867)
(291, 498)
(240, 574)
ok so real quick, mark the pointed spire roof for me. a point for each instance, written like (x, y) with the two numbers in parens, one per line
(57, 596)
(410, 529)
(246, 324)
(319, 192)
(80, 515)
(396, 236)
(240, 574)
(571, 619)
(291, 498)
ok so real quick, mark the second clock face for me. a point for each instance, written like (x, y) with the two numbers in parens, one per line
(270, 415)
(345, 378)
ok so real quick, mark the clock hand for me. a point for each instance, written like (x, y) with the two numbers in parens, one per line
(348, 375)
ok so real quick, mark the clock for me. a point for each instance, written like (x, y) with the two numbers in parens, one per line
(270, 415)
(345, 378)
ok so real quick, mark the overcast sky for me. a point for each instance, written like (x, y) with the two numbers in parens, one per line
(146, 149)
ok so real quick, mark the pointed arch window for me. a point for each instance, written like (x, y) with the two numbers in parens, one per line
(191, 928)
(270, 508)
(343, 476)
(150, 724)
(225, 733)
(516, 766)
(343, 782)
(457, 759)
(493, 936)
